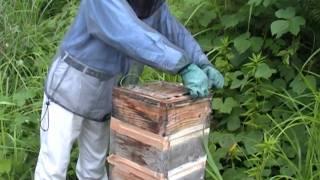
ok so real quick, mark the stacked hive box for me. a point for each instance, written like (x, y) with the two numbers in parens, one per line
(157, 133)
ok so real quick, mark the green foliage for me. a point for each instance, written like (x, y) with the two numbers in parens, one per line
(264, 116)
(288, 22)
(266, 119)
(28, 41)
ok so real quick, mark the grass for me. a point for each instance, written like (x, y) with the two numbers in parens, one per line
(30, 31)
(27, 42)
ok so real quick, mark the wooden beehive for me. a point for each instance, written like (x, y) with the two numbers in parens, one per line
(157, 132)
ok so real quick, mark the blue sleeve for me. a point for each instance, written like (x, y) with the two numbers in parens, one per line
(115, 23)
(170, 27)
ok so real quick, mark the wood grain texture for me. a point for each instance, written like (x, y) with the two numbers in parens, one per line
(141, 135)
(160, 154)
(138, 113)
(122, 169)
(157, 132)
(161, 108)
(194, 170)
(187, 115)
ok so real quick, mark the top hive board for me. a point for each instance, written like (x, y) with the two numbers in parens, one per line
(161, 108)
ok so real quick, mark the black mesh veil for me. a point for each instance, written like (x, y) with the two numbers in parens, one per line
(145, 8)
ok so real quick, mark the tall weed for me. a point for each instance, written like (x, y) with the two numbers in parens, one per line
(27, 44)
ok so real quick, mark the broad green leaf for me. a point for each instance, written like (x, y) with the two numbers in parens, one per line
(227, 141)
(287, 171)
(226, 106)
(242, 43)
(287, 13)
(261, 121)
(279, 83)
(297, 85)
(280, 27)
(256, 43)
(221, 63)
(289, 150)
(272, 45)
(255, 2)
(267, 3)
(299, 20)
(236, 82)
(217, 103)
(311, 82)
(287, 73)
(229, 21)
(207, 17)
(235, 174)
(5, 166)
(218, 155)
(206, 43)
(295, 24)
(264, 71)
(233, 121)
(267, 106)
(250, 139)
(300, 133)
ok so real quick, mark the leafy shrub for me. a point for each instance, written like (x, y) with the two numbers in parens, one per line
(266, 116)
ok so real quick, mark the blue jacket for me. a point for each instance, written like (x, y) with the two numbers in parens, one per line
(107, 35)
(106, 32)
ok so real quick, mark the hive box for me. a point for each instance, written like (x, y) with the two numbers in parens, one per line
(157, 132)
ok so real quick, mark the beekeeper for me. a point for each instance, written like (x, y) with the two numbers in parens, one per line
(107, 36)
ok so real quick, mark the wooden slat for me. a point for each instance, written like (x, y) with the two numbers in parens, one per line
(159, 91)
(134, 168)
(123, 169)
(137, 112)
(159, 154)
(158, 128)
(195, 131)
(182, 172)
(146, 137)
(188, 115)
(160, 119)
(161, 108)
(118, 173)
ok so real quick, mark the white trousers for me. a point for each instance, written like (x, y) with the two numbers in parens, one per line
(64, 128)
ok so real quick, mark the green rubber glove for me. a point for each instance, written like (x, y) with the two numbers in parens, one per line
(195, 80)
(216, 79)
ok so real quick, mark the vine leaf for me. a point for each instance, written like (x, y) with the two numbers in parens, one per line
(267, 3)
(279, 27)
(250, 139)
(264, 71)
(295, 24)
(256, 43)
(237, 81)
(226, 106)
(287, 13)
(242, 43)
(288, 22)
(233, 121)
(297, 85)
(229, 21)
(207, 18)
